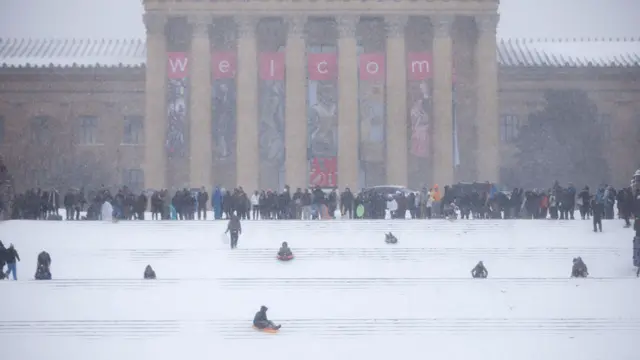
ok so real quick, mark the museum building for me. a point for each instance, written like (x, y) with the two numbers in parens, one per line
(263, 93)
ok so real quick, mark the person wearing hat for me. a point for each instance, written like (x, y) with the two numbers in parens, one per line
(260, 321)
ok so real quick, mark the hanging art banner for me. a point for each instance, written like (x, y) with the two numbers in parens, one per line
(177, 100)
(420, 105)
(322, 142)
(371, 98)
(420, 112)
(223, 116)
(271, 120)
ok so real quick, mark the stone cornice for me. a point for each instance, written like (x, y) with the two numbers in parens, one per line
(323, 7)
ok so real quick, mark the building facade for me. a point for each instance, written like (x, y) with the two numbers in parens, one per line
(266, 93)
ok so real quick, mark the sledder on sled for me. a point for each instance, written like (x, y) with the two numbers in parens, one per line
(285, 254)
(261, 323)
(390, 238)
(43, 271)
(579, 268)
(149, 273)
(479, 271)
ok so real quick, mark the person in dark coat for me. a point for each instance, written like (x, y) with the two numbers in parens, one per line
(479, 272)
(260, 321)
(3, 259)
(11, 256)
(579, 268)
(285, 252)
(598, 205)
(149, 274)
(235, 229)
(43, 271)
(390, 238)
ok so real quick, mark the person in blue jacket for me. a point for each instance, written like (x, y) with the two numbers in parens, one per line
(216, 203)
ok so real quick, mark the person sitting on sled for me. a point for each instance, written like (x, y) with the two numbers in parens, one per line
(479, 272)
(390, 238)
(285, 252)
(43, 271)
(149, 274)
(579, 268)
(261, 322)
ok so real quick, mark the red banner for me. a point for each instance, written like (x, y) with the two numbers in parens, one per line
(322, 66)
(177, 65)
(272, 66)
(324, 172)
(419, 66)
(223, 65)
(372, 66)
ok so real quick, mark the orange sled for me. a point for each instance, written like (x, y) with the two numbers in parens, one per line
(267, 330)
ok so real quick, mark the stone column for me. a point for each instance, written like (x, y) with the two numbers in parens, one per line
(348, 103)
(296, 172)
(201, 157)
(155, 122)
(488, 122)
(442, 100)
(247, 160)
(397, 145)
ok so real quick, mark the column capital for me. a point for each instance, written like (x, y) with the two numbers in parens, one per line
(247, 25)
(442, 24)
(487, 23)
(347, 25)
(396, 24)
(154, 22)
(200, 24)
(296, 25)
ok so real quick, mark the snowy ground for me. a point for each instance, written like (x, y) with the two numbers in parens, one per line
(347, 295)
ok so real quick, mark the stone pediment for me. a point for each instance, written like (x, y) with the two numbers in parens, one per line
(323, 7)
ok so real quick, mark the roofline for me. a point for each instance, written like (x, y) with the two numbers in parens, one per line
(138, 62)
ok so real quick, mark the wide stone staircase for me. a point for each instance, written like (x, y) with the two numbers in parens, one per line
(346, 294)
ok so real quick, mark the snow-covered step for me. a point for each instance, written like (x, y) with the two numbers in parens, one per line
(347, 295)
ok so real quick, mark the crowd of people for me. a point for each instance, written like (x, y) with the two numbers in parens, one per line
(457, 201)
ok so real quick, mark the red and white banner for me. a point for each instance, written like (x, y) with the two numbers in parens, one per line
(271, 66)
(223, 65)
(324, 172)
(322, 66)
(177, 65)
(419, 66)
(372, 66)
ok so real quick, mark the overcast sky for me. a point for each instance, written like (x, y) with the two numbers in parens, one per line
(123, 18)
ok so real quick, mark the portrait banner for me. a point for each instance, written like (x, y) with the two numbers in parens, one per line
(371, 113)
(271, 120)
(223, 117)
(177, 100)
(322, 119)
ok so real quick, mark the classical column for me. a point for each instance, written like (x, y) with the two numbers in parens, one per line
(348, 103)
(397, 145)
(155, 123)
(247, 160)
(488, 123)
(442, 100)
(296, 105)
(201, 158)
